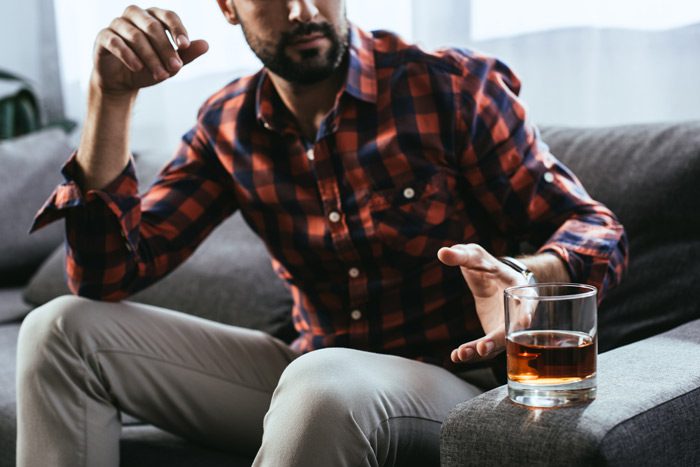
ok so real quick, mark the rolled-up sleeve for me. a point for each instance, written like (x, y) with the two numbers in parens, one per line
(119, 242)
(528, 193)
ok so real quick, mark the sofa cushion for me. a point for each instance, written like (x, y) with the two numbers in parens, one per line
(648, 175)
(12, 306)
(30, 171)
(146, 445)
(8, 410)
(228, 279)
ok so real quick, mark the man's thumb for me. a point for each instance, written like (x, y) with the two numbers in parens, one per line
(196, 49)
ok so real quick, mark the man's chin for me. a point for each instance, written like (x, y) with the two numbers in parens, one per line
(308, 71)
(309, 76)
(307, 56)
(306, 65)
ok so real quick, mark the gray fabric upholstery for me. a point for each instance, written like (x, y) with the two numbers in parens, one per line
(642, 388)
(8, 411)
(228, 279)
(12, 306)
(30, 171)
(671, 426)
(648, 175)
(146, 446)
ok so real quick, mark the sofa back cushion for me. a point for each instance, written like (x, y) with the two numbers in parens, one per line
(30, 171)
(649, 176)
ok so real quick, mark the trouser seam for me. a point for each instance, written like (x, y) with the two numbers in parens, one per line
(83, 399)
(82, 451)
(179, 365)
(388, 419)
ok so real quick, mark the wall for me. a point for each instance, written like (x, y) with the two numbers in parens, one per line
(439, 23)
(19, 26)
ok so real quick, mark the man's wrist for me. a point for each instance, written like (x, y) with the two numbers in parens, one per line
(519, 267)
(97, 96)
(547, 267)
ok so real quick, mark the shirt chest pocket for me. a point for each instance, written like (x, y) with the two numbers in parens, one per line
(419, 217)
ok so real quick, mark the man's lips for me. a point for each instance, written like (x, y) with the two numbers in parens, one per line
(308, 41)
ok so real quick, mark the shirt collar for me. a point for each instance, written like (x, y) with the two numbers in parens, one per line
(361, 81)
(362, 75)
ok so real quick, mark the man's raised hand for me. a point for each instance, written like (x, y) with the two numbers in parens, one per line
(487, 278)
(134, 51)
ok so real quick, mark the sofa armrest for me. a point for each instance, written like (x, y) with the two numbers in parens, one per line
(647, 412)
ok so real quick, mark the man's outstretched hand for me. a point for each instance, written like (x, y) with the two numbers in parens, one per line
(487, 278)
(134, 51)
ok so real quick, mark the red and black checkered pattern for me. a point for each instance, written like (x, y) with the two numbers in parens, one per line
(422, 150)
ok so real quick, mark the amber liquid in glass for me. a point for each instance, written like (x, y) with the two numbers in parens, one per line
(550, 357)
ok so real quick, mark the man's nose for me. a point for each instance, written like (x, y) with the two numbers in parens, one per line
(302, 11)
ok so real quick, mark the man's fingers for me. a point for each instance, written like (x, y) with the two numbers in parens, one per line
(484, 348)
(478, 350)
(196, 49)
(173, 24)
(522, 311)
(115, 45)
(141, 46)
(469, 256)
(154, 31)
(136, 49)
(462, 354)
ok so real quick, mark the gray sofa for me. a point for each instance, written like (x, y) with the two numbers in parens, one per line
(647, 411)
(648, 408)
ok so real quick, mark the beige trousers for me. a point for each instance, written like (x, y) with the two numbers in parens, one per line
(81, 363)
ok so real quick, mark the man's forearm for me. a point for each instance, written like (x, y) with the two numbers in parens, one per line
(547, 267)
(104, 145)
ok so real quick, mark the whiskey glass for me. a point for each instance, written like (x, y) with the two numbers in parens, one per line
(551, 343)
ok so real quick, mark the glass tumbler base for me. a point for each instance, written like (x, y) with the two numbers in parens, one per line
(554, 395)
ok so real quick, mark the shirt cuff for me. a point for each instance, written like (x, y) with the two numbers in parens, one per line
(119, 196)
(572, 261)
(592, 253)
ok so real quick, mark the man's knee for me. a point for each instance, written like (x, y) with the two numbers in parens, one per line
(67, 314)
(58, 323)
(328, 383)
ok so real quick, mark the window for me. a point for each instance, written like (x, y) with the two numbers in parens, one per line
(500, 18)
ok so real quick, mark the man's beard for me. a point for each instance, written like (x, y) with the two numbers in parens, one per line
(312, 68)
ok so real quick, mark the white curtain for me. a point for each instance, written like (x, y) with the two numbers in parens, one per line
(598, 62)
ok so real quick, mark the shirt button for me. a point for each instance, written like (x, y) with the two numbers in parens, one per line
(126, 242)
(409, 193)
(548, 177)
(334, 216)
(353, 272)
(310, 154)
(356, 315)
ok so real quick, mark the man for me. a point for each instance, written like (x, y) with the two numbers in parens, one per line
(385, 181)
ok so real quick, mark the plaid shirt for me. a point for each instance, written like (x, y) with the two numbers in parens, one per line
(422, 150)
